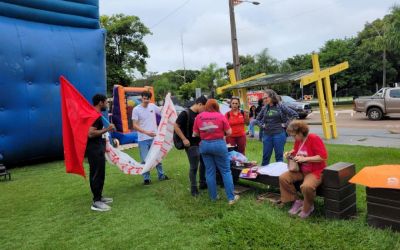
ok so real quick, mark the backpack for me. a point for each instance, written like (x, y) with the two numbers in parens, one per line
(178, 143)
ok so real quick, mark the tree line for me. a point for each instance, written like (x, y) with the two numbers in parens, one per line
(373, 55)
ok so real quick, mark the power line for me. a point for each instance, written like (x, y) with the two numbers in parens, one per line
(169, 14)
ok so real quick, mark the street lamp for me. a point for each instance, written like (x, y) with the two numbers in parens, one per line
(255, 3)
(235, 52)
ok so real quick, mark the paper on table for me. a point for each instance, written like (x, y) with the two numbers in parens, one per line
(273, 169)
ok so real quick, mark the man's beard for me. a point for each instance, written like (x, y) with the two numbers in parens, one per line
(103, 109)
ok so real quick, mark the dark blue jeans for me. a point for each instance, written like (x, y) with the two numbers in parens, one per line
(274, 142)
(215, 155)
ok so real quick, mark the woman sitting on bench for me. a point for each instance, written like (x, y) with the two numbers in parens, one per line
(309, 157)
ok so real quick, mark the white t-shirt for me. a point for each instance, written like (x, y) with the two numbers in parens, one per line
(146, 118)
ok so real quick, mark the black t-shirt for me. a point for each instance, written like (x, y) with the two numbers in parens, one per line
(182, 123)
(96, 142)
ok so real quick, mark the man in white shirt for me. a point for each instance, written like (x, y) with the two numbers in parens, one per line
(145, 123)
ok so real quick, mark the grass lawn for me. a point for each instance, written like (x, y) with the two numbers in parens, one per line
(44, 208)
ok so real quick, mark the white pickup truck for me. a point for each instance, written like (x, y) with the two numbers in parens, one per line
(383, 103)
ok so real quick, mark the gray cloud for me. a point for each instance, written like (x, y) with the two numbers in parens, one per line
(285, 27)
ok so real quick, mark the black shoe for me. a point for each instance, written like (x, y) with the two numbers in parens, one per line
(147, 182)
(203, 186)
(164, 178)
(194, 191)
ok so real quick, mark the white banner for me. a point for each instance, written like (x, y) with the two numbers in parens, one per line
(162, 144)
(122, 160)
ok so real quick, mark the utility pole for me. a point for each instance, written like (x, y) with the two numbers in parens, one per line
(183, 60)
(235, 52)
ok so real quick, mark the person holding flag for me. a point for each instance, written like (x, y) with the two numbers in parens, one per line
(95, 150)
(82, 131)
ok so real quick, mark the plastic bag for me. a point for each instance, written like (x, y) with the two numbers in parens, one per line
(237, 157)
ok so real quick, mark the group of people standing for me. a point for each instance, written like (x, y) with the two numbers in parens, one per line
(206, 132)
(276, 122)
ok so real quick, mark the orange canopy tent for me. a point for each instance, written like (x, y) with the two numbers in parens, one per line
(383, 176)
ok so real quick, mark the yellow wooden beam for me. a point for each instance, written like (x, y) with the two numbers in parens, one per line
(331, 111)
(233, 81)
(323, 84)
(313, 77)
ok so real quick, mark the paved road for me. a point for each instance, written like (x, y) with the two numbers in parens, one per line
(355, 129)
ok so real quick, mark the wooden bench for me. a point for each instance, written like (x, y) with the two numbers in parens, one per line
(4, 172)
(339, 195)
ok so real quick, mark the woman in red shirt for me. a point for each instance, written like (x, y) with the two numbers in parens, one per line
(211, 126)
(237, 120)
(310, 152)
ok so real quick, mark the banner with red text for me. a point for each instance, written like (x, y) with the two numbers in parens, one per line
(163, 141)
(162, 144)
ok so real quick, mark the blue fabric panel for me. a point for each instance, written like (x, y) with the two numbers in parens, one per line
(127, 138)
(89, 2)
(65, 7)
(52, 12)
(32, 57)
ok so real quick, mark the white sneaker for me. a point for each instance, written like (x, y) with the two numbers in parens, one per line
(231, 202)
(100, 206)
(106, 200)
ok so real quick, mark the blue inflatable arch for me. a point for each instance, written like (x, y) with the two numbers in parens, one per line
(39, 41)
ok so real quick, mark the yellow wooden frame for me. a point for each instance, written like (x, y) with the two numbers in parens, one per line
(323, 82)
(241, 93)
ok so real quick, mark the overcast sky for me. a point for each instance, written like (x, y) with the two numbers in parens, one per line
(285, 27)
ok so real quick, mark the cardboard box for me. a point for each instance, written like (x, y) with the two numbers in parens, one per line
(380, 222)
(384, 211)
(337, 193)
(338, 175)
(340, 205)
(345, 214)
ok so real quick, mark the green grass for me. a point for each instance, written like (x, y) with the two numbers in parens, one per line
(44, 208)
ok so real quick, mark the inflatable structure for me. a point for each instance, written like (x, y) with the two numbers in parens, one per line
(39, 41)
(125, 100)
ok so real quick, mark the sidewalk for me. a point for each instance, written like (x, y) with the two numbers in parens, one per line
(364, 137)
(356, 136)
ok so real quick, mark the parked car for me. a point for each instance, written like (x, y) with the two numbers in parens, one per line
(383, 103)
(179, 109)
(303, 109)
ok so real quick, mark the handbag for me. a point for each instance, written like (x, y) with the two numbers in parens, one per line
(178, 143)
(294, 166)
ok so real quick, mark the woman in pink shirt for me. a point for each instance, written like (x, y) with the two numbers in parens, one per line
(310, 153)
(212, 126)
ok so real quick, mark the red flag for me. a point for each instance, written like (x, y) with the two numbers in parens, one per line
(77, 117)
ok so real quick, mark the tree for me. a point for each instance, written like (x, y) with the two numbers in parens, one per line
(125, 49)
(161, 87)
(382, 37)
(205, 80)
